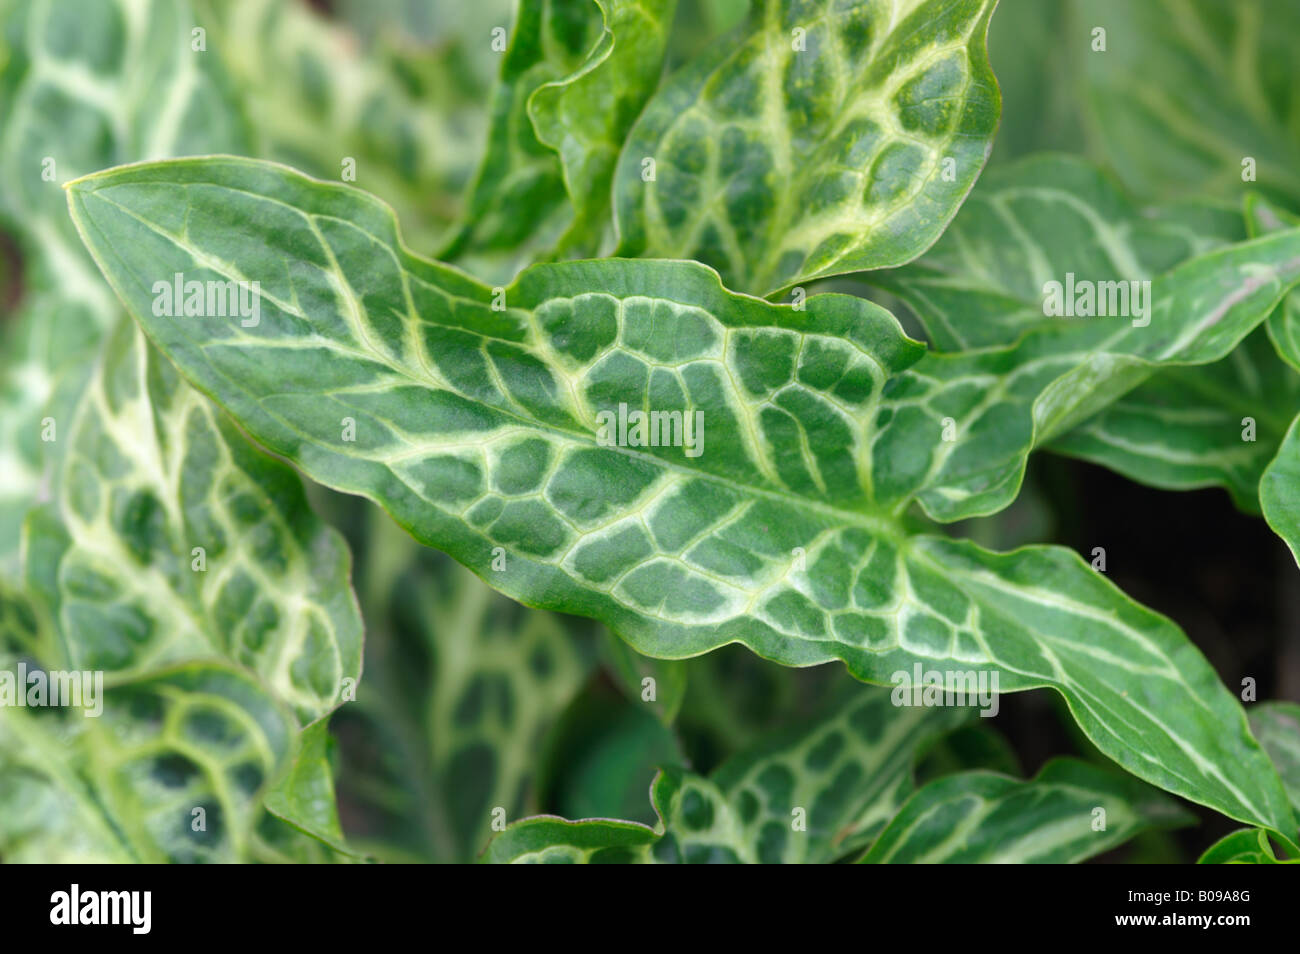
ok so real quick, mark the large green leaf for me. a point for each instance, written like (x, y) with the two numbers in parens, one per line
(172, 539)
(809, 795)
(1187, 89)
(476, 428)
(78, 92)
(574, 77)
(987, 818)
(1220, 424)
(822, 137)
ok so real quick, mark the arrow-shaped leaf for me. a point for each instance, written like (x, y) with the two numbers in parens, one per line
(386, 375)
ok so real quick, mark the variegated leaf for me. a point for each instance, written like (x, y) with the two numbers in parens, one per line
(1056, 219)
(172, 539)
(1068, 812)
(1031, 223)
(1216, 425)
(389, 376)
(171, 768)
(842, 777)
(585, 116)
(822, 137)
(808, 795)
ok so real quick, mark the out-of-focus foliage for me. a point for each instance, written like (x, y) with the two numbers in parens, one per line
(683, 714)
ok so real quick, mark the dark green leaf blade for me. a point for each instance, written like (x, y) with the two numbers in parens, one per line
(820, 138)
